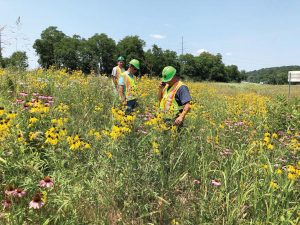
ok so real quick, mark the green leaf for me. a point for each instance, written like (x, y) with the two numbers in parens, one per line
(2, 160)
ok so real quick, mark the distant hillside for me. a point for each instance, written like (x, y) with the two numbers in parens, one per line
(273, 75)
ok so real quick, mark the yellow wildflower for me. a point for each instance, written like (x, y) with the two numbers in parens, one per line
(267, 140)
(270, 146)
(108, 154)
(292, 176)
(279, 171)
(273, 185)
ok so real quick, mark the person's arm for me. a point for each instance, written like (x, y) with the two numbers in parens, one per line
(185, 99)
(115, 81)
(180, 118)
(122, 89)
(114, 77)
(160, 90)
(121, 93)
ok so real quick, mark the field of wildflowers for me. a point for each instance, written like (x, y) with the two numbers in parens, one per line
(69, 155)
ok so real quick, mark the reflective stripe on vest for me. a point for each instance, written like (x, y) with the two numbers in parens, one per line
(168, 102)
(130, 86)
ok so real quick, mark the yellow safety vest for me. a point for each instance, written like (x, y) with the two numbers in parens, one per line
(119, 73)
(168, 104)
(130, 87)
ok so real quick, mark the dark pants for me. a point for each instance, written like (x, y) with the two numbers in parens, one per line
(131, 104)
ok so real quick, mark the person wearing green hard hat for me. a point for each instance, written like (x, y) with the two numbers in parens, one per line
(128, 86)
(116, 72)
(174, 97)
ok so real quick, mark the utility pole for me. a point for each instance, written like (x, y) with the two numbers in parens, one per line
(182, 45)
(1, 29)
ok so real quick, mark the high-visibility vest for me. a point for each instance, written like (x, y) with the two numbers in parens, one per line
(168, 104)
(119, 72)
(130, 87)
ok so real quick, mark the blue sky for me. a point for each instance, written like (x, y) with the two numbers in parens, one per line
(251, 34)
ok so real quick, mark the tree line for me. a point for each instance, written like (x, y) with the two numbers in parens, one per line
(18, 60)
(274, 75)
(99, 53)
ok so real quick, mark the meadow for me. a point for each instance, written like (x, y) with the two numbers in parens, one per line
(69, 155)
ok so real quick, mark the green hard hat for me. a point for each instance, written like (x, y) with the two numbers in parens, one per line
(120, 58)
(168, 73)
(135, 63)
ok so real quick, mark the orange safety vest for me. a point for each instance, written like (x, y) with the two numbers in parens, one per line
(168, 104)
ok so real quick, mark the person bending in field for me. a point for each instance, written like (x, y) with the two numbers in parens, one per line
(174, 97)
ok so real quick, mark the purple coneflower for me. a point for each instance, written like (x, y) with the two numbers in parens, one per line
(20, 101)
(215, 182)
(6, 203)
(226, 152)
(240, 123)
(280, 132)
(19, 192)
(9, 190)
(35, 94)
(23, 94)
(41, 97)
(196, 182)
(36, 202)
(26, 106)
(46, 182)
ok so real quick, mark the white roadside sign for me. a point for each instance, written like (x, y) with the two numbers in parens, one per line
(294, 76)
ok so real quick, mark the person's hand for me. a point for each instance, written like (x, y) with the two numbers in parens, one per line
(178, 120)
(161, 85)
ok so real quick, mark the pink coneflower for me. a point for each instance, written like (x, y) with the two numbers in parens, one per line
(240, 123)
(196, 182)
(46, 182)
(41, 97)
(26, 106)
(215, 182)
(226, 152)
(20, 101)
(19, 192)
(9, 190)
(280, 132)
(6, 203)
(23, 94)
(35, 94)
(50, 97)
(36, 202)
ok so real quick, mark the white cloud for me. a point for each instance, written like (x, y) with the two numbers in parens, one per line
(157, 36)
(200, 51)
(228, 53)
